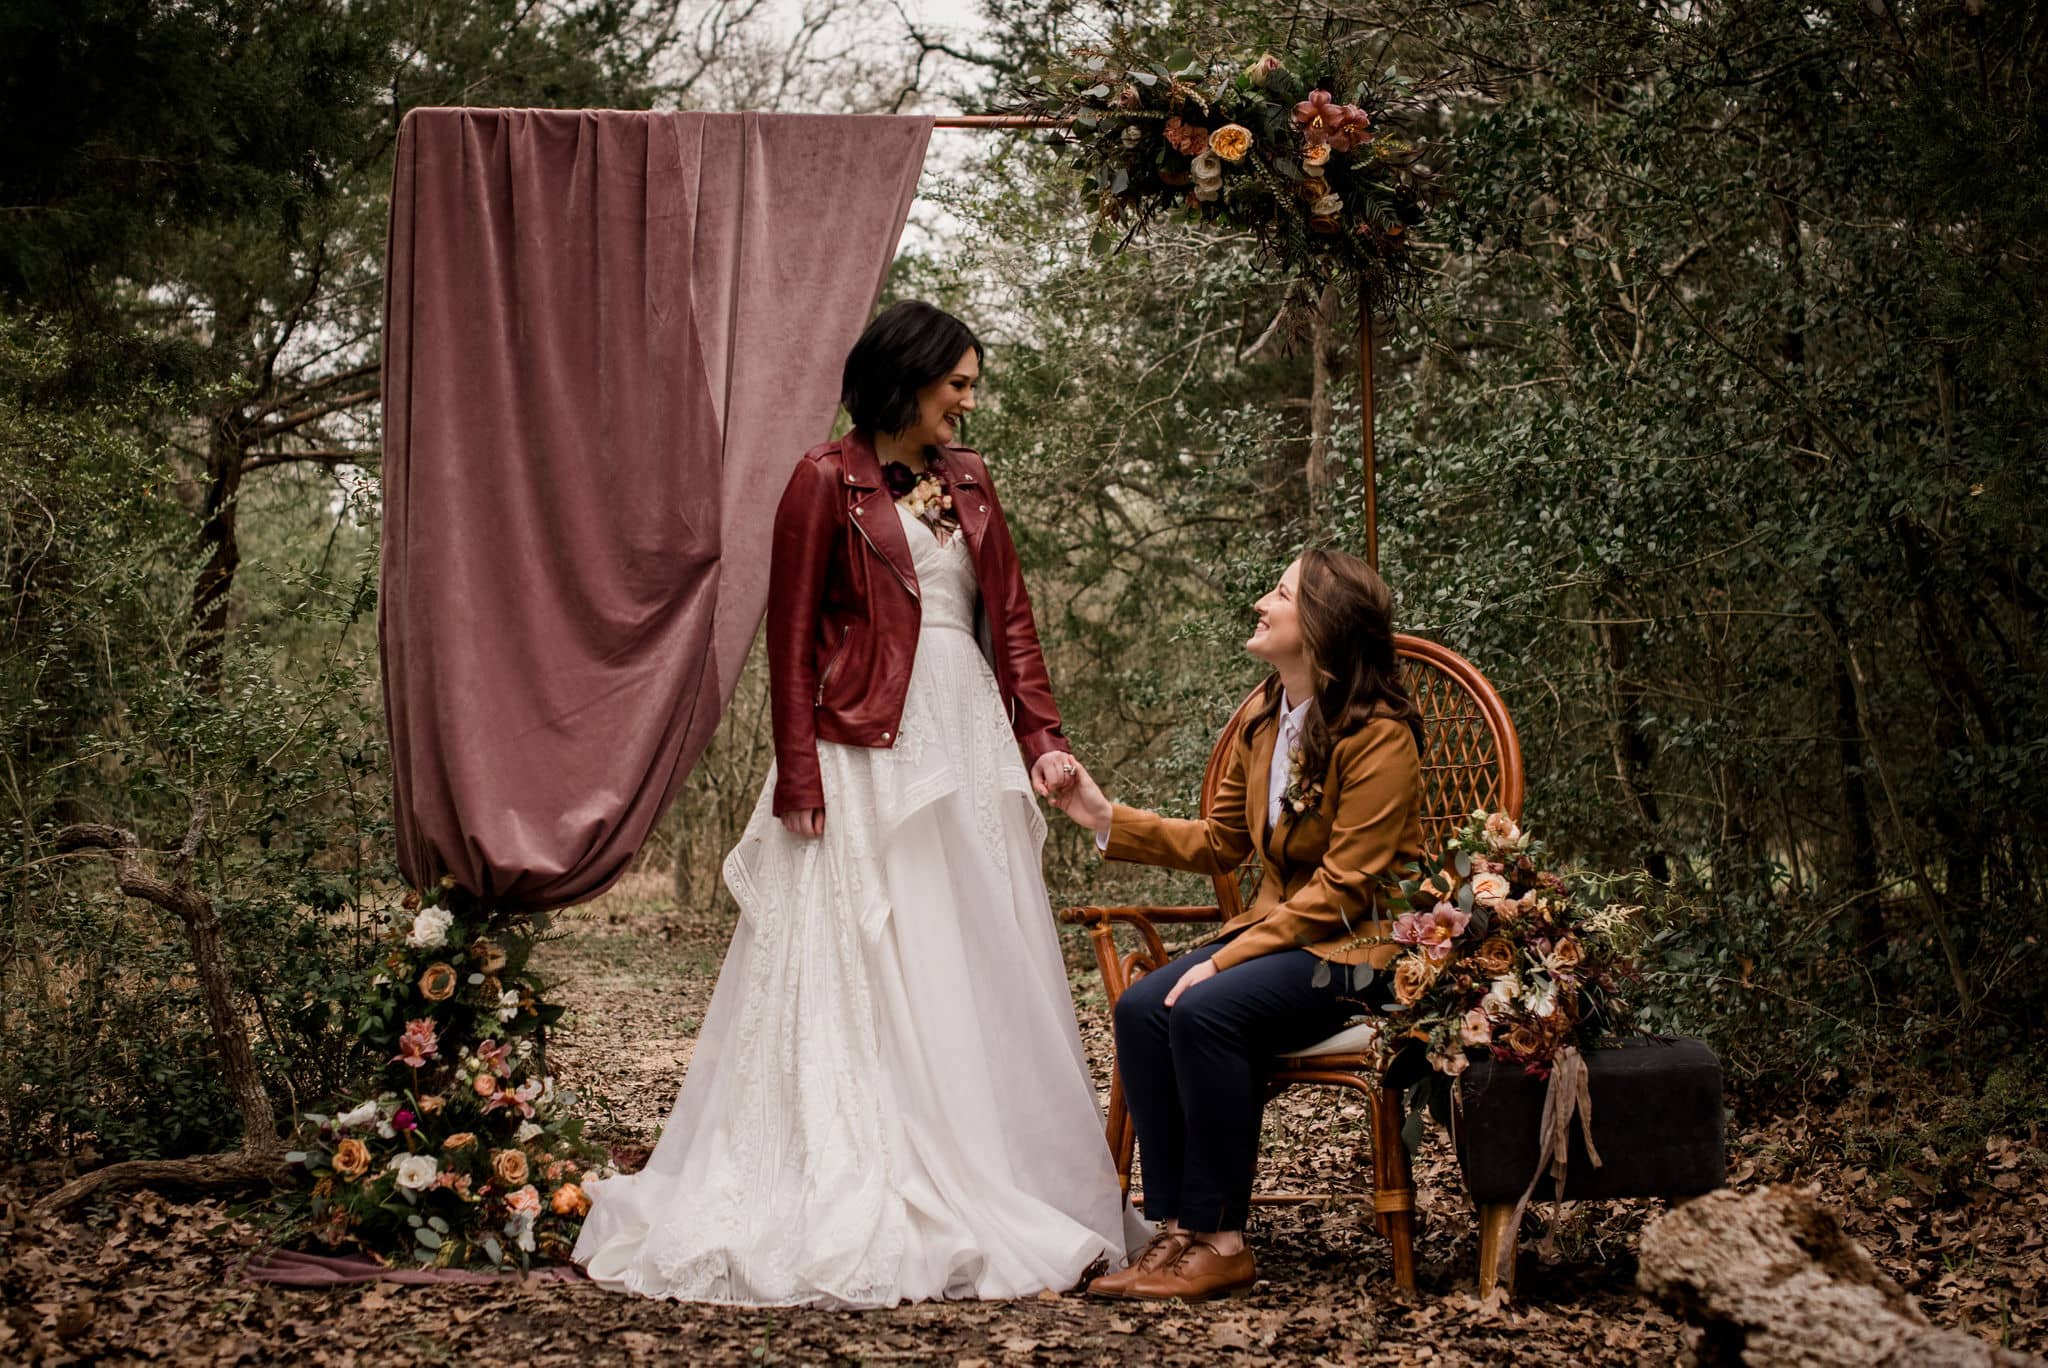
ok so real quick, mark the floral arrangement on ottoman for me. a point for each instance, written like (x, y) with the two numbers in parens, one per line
(1501, 955)
(468, 1155)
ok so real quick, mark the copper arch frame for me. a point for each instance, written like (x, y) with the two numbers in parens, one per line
(1365, 340)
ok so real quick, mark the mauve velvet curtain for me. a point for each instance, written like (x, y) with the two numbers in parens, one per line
(608, 337)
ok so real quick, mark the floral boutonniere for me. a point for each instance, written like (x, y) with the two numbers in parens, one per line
(1300, 796)
(924, 494)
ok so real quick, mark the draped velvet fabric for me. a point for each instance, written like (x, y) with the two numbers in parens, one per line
(608, 338)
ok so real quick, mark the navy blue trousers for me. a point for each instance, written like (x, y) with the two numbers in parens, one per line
(1194, 1074)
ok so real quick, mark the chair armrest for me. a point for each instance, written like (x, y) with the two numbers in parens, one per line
(1134, 916)
(1116, 969)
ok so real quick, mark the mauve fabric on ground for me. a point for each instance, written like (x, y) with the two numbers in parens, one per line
(290, 1268)
(609, 336)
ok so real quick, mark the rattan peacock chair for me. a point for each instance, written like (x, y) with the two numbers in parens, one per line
(1471, 759)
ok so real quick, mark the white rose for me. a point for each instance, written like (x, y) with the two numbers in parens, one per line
(430, 928)
(356, 1116)
(527, 1130)
(1207, 167)
(1329, 206)
(417, 1171)
(1133, 135)
(1503, 992)
(1208, 193)
(1490, 887)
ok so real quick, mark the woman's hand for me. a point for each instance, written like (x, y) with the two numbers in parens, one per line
(1053, 773)
(1080, 797)
(808, 822)
(1201, 973)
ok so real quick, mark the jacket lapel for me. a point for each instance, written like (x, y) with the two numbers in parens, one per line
(1257, 788)
(872, 511)
(970, 501)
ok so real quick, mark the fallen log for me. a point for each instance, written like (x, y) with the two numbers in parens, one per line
(1771, 1279)
(261, 1156)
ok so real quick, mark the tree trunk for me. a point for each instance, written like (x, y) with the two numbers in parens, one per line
(260, 1156)
(217, 536)
(1771, 1278)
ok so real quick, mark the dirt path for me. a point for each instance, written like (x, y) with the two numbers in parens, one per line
(144, 1278)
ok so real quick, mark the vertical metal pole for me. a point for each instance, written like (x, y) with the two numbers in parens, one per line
(1365, 410)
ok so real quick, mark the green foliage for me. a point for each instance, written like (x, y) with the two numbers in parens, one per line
(102, 1040)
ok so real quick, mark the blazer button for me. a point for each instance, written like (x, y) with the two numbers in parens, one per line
(984, 508)
(885, 736)
(858, 511)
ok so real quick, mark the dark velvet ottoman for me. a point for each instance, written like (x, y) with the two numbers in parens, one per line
(1657, 1122)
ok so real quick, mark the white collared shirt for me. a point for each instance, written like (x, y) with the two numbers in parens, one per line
(1282, 773)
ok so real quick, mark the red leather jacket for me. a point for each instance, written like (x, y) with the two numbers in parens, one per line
(844, 613)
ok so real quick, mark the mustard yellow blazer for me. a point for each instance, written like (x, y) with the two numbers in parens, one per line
(1320, 869)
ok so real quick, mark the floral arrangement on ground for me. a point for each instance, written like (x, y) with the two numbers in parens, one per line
(468, 1155)
(1306, 159)
(1502, 956)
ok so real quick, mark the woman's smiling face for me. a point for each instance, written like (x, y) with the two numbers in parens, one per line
(1276, 638)
(945, 401)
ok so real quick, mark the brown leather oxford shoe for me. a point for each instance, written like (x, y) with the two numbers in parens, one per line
(1156, 1257)
(1199, 1274)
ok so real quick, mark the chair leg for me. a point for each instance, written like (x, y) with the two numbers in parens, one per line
(1496, 1230)
(1394, 1185)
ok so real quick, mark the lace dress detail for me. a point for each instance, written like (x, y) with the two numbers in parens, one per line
(888, 1100)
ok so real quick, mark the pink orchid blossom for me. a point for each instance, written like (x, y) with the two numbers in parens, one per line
(419, 1044)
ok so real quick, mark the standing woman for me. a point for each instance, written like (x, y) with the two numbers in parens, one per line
(888, 1099)
(1324, 783)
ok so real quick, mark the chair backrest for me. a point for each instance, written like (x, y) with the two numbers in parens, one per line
(1471, 756)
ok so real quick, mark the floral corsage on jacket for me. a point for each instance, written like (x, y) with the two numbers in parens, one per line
(924, 494)
(1302, 794)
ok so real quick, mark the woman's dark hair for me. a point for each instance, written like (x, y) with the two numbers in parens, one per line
(908, 346)
(1347, 627)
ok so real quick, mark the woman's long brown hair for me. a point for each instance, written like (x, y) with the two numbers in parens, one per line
(1347, 625)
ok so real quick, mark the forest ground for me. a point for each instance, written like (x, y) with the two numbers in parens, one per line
(144, 1277)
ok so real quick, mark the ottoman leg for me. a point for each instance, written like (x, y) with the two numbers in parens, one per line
(1496, 1229)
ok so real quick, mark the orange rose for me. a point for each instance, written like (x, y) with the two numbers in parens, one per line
(1316, 157)
(569, 1201)
(438, 983)
(430, 1105)
(1524, 1039)
(1412, 977)
(486, 955)
(459, 1141)
(508, 1167)
(1313, 189)
(1567, 953)
(485, 1085)
(1231, 142)
(1494, 957)
(351, 1158)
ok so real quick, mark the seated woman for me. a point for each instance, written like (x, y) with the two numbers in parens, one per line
(1324, 783)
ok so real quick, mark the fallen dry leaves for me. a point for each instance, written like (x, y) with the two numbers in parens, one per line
(149, 1277)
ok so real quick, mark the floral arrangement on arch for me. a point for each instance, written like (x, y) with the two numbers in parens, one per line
(468, 1155)
(1307, 161)
(1501, 955)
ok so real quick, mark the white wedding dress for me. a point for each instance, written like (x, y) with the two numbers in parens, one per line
(888, 1100)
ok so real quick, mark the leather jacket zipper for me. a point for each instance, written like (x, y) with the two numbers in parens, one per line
(826, 677)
